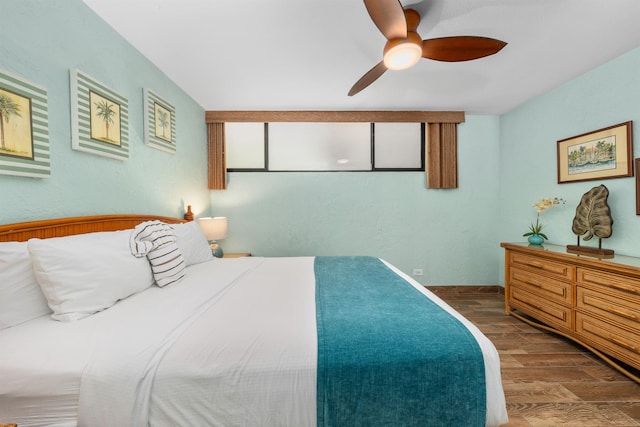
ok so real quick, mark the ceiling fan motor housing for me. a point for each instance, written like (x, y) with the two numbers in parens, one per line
(402, 53)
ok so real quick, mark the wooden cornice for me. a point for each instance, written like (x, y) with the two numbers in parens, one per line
(335, 116)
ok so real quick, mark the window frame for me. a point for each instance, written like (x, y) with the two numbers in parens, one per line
(372, 144)
(265, 154)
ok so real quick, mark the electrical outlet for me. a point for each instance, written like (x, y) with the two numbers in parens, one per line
(418, 272)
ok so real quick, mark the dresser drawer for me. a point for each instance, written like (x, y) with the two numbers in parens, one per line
(592, 301)
(609, 306)
(625, 287)
(550, 268)
(546, 287)
(553, 314)
(618, 342)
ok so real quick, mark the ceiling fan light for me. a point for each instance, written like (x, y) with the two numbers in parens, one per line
(400, 54)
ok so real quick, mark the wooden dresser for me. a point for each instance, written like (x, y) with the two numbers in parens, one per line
(595, 302)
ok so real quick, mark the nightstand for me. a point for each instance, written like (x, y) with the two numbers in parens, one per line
(238, 255)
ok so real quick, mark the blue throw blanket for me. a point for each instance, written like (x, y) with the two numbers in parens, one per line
(389, 356)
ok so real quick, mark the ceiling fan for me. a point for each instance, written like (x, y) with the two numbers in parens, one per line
(405, 47)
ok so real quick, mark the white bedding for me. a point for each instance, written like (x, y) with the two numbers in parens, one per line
(245, 354)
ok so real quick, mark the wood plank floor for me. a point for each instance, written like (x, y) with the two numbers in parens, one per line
(548, 380)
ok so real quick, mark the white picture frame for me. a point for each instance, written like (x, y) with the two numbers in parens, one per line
(24, 128)
(99, 118)
(159, 122)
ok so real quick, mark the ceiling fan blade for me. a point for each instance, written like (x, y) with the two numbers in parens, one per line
(371, 76)
(460, 48)
(388, 15)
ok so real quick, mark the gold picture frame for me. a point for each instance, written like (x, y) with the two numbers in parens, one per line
(637, 162)
(601, 154)
(24, 128)
(104, 118)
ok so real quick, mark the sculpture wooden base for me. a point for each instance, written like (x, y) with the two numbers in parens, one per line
(594, 252)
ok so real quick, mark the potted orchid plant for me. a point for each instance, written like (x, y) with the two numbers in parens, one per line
(535, 236)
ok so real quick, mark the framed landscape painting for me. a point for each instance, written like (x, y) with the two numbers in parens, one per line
(160, 122)
(601, 154)
(99, 118)
(24, 128)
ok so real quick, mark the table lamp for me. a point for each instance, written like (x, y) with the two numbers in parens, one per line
(214, 229)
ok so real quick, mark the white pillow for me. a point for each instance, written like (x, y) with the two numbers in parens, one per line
(20, 296)
(83, 274)
(192, 243)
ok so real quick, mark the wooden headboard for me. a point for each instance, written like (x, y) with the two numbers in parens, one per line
(60, 227)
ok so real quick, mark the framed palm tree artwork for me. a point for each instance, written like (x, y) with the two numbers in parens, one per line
(24, 128)
(99, 118)
(159, 122)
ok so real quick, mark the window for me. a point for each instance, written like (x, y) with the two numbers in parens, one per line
(398, 146)
(246, 146)
(325, 146)
(319, 146)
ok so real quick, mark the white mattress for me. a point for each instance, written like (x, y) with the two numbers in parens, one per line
(247, 357)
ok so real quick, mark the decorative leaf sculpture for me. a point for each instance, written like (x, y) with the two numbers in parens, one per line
(593, 215)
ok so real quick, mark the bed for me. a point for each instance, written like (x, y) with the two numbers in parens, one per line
(95, 333)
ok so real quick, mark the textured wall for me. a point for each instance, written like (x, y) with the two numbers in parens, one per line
(506, 164)
(448, 233)
(605, 96)
(41, 40)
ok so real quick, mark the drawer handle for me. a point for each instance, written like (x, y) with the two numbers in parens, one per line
(623, 344)
(535, 264)
(533, 283)
(622, 313)
(536, 306)
(529, 303)
(624, 288)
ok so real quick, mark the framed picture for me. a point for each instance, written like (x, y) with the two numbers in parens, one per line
(24, 128)
(601, 154)
(637, 186)
(99, 118)
(160, 122)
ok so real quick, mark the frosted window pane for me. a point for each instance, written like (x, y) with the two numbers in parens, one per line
(319, 146)
(398, 145)
(245, 145)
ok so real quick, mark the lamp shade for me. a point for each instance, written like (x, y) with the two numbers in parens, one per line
(214, 228)
(402, 53)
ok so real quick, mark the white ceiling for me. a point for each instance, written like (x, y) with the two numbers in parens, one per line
(306, 54)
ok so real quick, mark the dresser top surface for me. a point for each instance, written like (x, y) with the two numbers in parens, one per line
(560, 252)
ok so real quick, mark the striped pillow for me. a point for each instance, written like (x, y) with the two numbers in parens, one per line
(167, 264)
(157, 241)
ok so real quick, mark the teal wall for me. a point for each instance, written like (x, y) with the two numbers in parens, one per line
(448, 233)
(40, 40)
(506, 163)
(605, 96)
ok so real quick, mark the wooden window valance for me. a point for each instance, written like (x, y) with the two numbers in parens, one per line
(442, 168)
